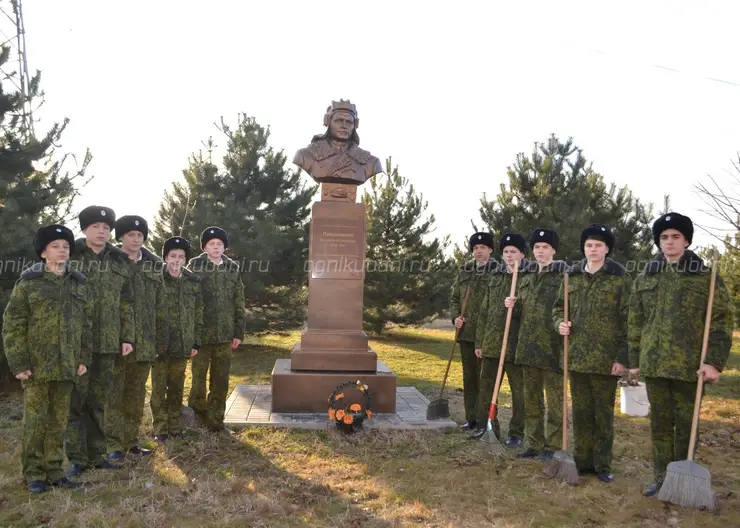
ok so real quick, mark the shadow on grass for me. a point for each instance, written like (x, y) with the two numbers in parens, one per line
(205, 479)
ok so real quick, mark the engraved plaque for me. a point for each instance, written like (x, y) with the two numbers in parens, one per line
(337, 248)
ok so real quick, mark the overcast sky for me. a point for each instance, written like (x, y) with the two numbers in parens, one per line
(649, 90)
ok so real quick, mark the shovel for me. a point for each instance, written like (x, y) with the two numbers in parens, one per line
(440, 408)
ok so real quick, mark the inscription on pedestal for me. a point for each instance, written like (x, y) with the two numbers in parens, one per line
(337, 248)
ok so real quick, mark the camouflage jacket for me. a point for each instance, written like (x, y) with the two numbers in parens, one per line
(539, 344)
(666, 319)
(109, 278)
(492, 315)
(47, 325)
(150, 307)
(598, 305)
(477, 278)
(224, 317)
(184, 312)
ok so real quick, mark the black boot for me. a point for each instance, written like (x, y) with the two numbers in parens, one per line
(139, 451)
(477, 434)
(470, 425)
(75, 470)
(37, 486)
(529, 453)
(65, 483)
(514, 441)
(653, 488)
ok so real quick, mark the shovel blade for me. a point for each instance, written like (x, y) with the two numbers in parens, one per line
(438, 409)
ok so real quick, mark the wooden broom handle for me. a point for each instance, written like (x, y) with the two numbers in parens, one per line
(497, 386)
(565, 365)
(704, 346)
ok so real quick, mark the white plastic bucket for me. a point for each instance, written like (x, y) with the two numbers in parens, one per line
(634, 400)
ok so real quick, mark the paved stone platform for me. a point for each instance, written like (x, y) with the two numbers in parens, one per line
(249, 405)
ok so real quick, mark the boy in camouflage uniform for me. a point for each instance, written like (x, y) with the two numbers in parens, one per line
(538, 348)
(489, 336)
(107, 273)
(474, 275)
(666, 329)
(223, 326)
(126, 402)
(598, 297)
(185, 316)
(47, 333)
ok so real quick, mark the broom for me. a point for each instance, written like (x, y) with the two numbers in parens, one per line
(562, 466)
(440, 408)
(687, 483)
(489, 437)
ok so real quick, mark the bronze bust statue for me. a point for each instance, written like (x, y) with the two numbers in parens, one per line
(335, 155)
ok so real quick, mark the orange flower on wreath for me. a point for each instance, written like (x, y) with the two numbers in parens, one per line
(340, 414)
(339, 396)
(355, 407)
(369, 413)
(332, 414)
(348, 419)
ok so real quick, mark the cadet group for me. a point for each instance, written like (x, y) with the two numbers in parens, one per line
(84, 333)
(651, 327)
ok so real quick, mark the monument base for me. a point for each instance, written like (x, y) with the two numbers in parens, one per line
(328, 360)
(308, 392)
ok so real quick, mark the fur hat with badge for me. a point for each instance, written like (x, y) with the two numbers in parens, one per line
(548, 236)
(677, 221)
(176, 242)
(48, 234)
(481, 238)
(129, 223)
(209, 233)
(598, 232)
(96, 213)
(513, 239)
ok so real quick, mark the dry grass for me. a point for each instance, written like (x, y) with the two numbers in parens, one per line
(266, 477)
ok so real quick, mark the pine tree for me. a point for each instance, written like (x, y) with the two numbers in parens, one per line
(556, 187)
(263, 206)
(35, 186)
(408, 277)
(729, 268)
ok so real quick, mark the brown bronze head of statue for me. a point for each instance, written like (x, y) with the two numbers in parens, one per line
(335, 156)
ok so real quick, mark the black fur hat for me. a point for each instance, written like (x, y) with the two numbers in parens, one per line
(96, 213)
(176, 242)
(481, 238)
(131, 223)
(677, 221)
(598, 232)
(547, 236)
(513, 239)
(48, 234)
(211, 233)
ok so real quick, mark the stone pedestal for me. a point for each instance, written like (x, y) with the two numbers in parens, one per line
(333, 347)
(308, 391)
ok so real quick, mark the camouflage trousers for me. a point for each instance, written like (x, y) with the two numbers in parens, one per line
(593, 398)
(168, 382)
(671, 412)
(125, 406)
(514, 373)
(538, 382)
(45, 413)
(471, 376)
(85, 442)
(210, 409)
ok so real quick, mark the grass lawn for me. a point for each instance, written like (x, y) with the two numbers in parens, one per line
(274, 477)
